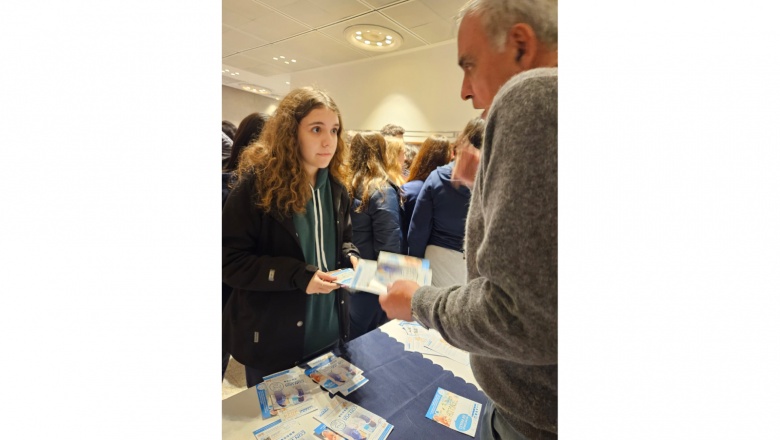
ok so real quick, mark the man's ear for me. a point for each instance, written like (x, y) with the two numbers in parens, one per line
(522, 42)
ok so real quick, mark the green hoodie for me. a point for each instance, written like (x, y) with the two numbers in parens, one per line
(317, 231)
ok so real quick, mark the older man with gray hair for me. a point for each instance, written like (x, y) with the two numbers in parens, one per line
(506, 315)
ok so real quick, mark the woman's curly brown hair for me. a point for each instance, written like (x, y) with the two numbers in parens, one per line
(367, 172)
(434, 152)
(275, 159)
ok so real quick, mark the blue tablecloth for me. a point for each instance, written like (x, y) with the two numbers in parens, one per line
(402, 385)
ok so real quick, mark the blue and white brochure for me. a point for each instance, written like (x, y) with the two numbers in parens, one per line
(337, 375)
(455, 412)
(289, 388)
(354, 422)
(374, 276)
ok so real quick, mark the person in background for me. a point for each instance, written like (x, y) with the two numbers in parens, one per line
(228, 133)
(392, 130)
(395, 160)
(410, 152)
(434, 152)
(229, 129)
(506, 315)
(248, 132)
(376, 220)
(438, 223)
(284, 225)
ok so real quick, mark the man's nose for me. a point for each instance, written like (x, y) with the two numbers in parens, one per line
(465, 90)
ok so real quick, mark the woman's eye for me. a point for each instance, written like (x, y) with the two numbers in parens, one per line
(335, 131)
(316, 129)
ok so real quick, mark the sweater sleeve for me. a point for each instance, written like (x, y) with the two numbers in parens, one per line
(242, 267)
(422, 220)
(508, 309)
(385, 212)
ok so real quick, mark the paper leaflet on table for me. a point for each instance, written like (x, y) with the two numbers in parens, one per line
(306, 428)
(356, 423)
(374, 276)
(289, 388)
(455, 412)
(439, 345)
(305, 414)
(337, 375)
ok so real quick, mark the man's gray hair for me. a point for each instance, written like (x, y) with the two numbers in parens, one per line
(498, 16)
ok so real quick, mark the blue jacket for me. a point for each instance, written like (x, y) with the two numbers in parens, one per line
(439, 216)
(410, 190)
(377, 228)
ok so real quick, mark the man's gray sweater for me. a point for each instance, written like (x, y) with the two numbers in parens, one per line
(506, 315)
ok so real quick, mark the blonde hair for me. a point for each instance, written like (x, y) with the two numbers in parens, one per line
(367, 171)
(281, 181)
(395, 148)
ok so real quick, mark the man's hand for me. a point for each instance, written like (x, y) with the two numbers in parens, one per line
(466, 165)
(397, 302)
(321, 283)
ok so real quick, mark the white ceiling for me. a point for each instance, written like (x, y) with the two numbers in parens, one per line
(311, 32)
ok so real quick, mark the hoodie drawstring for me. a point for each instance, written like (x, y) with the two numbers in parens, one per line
(319, 237)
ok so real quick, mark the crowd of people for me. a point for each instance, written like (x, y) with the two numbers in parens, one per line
(303, 196)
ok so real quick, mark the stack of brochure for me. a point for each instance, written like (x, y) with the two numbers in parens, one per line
(374, 276)
(293, 405)
(429, 341)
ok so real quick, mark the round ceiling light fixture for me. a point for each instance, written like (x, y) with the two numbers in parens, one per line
(374, 38)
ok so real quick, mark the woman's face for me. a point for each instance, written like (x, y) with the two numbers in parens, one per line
(318, 139)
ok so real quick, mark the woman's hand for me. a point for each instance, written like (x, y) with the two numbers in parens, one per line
(321, 283)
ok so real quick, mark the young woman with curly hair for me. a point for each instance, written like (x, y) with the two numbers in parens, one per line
(434, 152)
(376, 220)
(284, 225)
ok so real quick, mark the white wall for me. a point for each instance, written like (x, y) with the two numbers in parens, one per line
(419, 90)
(237, 104)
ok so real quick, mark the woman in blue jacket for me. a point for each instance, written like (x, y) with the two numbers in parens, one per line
(435, 151)
(284, 225)
(438, 223)
(376, 220)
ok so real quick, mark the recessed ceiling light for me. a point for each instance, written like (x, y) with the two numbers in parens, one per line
(254, 88)
(276, 58)
(287, 82)
(286, 62)
(281, 57)
(374, 38)
(292, 61)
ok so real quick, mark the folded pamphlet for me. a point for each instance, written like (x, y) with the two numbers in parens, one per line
(455, 412)
(374, 276)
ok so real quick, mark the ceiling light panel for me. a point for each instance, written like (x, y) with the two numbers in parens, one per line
(309, 51)
(337, 31)
(234, 41)
(381, 3)
(317, 13)
(424, 20)
(374, 38)
(265, 23)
